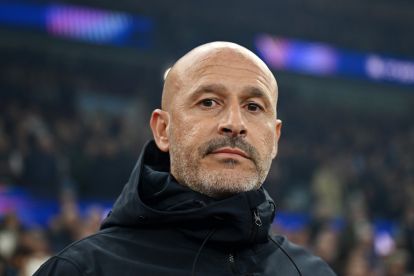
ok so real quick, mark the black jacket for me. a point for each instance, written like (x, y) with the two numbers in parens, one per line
(159, 227)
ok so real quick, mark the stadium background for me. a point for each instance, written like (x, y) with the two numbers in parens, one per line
(79, 79)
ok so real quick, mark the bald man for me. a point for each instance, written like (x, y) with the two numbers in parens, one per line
(194, 204)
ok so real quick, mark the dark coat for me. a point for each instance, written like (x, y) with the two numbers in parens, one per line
(159, 227)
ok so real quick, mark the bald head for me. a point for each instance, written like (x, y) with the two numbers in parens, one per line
(183, 73)
(218, 120)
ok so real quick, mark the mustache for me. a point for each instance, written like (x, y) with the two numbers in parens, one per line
(232, 142)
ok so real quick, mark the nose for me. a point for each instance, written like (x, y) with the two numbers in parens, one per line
(232, 124)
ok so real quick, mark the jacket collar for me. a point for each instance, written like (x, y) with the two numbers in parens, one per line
(153, 198)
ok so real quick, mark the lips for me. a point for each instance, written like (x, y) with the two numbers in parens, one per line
(234, 151)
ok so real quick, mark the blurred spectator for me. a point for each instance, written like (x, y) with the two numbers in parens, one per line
(40, 169)
(327, 187)
(357, 265)
(408, 236)
(36, 247)
(65, 228)
(326, 246)
(396, 264)
(9, 235)
(10, 231)
(92, 221)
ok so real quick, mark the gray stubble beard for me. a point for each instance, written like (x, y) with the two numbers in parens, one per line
(185, 167)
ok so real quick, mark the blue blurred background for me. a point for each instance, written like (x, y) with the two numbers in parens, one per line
(79, 80)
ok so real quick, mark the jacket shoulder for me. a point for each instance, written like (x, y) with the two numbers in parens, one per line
(58, 266)
(306, 262)
(73, 259)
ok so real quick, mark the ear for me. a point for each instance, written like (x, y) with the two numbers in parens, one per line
(278, 127)
(159, 125)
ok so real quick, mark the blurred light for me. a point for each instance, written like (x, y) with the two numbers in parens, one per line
(292, 222)
(282, 53)
(322, 60)
(22, 15)
(390, 69)
(80, 23)
(88, 24)
(384, 244)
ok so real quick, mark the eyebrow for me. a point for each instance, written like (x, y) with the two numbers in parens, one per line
(254, 92)
(209, 88)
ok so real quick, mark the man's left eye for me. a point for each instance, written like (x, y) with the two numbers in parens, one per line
(254, 107)
(208, 103)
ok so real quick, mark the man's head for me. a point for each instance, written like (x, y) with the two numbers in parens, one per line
(218, 119)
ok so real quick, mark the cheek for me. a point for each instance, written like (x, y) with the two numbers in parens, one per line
(268, 140)
(188, 132)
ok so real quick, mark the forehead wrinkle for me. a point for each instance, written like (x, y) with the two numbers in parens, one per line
(255, 92)
(210, 87)
(260, 79)
(207, 66)
(265, 76)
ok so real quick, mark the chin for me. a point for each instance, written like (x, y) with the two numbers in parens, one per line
(226, 183)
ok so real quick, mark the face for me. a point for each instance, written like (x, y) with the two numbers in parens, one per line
(222, 130)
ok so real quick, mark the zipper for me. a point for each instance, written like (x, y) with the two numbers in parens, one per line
(257, 223)
(257, 219)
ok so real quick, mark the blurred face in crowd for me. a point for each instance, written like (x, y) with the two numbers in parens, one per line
(218, 120)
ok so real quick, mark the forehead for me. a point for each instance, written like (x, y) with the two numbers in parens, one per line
(228, 68)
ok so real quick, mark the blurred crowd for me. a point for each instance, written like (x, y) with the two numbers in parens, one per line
(346, 170)
(357, 167)
(23, 249)
(49, 152)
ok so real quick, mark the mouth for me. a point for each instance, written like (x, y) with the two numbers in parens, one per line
(231, 152)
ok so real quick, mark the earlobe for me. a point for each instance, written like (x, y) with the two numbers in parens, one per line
(278, 132)
(159, 125)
